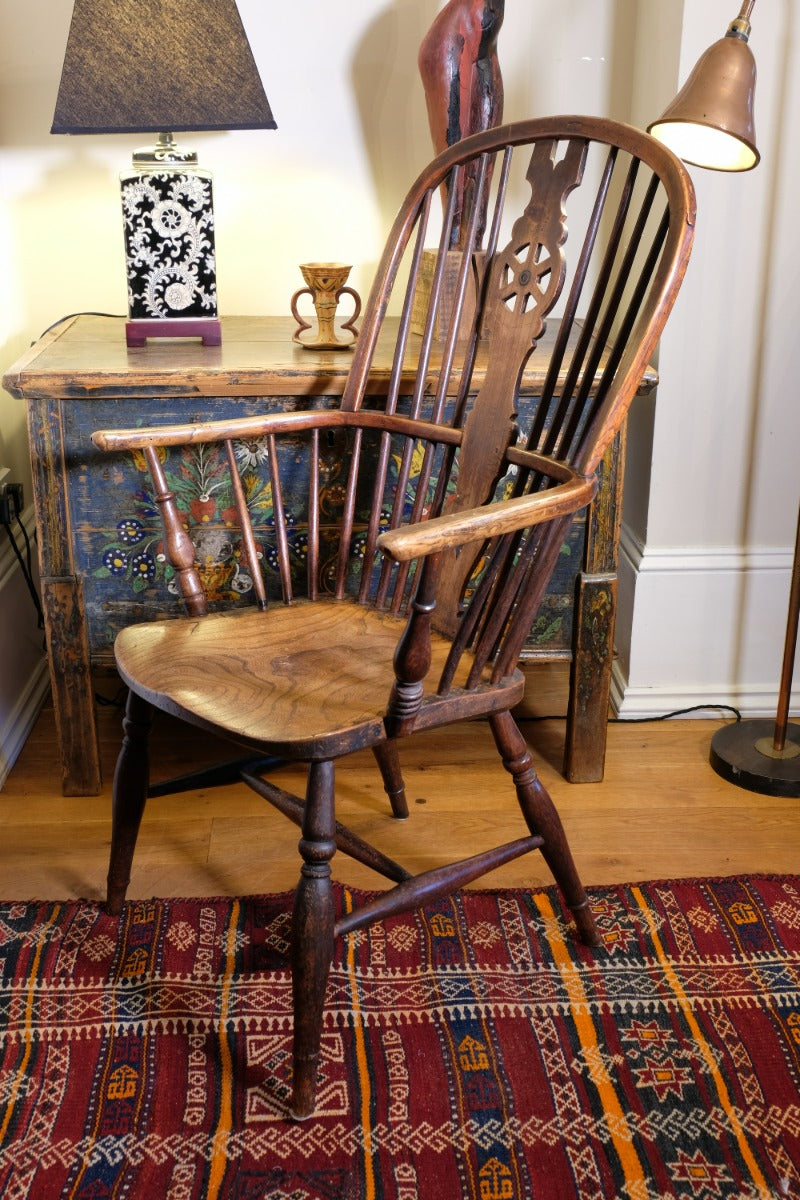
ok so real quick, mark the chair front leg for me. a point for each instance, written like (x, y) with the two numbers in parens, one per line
(542, 818)
(129, 795)
(313, 920)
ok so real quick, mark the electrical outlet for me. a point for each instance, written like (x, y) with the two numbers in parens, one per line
(10, 502)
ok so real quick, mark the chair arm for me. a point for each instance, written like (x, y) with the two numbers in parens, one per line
(248, 428)
(490, 520)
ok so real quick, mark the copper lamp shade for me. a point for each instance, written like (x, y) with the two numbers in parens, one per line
(710, 122)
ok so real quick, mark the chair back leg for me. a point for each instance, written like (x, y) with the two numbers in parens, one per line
(129, 796)
(388, 760)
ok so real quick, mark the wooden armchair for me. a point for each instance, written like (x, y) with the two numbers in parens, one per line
(423, 568)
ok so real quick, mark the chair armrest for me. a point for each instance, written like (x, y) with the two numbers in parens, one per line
(490, 520)
(248, 428)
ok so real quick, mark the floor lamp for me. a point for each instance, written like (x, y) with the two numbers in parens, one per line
(710, 124)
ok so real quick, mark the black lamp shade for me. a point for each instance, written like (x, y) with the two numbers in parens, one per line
(151, 66)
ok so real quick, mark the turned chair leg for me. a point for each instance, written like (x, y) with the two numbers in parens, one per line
(388, 760)
(313, 920)
(542, 819)
(128, 798)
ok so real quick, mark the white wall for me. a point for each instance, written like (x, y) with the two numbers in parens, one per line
(709, 532)
(712, 531)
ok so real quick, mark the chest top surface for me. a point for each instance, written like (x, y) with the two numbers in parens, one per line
(86, 357)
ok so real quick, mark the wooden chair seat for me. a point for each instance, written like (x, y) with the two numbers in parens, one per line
(287, 682)
(403, 543)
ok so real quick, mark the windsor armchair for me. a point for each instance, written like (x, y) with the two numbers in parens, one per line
(404, 602)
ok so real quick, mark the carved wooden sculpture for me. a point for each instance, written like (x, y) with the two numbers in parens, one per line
(426, 564)
(463, 85)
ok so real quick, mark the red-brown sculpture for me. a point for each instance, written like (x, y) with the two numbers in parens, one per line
(463, 84)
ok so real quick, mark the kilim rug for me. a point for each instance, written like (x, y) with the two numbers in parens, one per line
(473, 1049)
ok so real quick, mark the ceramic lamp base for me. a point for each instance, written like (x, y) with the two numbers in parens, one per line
(168, 218)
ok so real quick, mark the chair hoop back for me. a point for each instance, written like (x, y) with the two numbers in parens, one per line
(453, 481)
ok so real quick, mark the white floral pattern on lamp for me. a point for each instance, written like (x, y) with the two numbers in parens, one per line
(168, 218)
(169, 243)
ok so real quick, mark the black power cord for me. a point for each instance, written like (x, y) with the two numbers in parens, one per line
(70, 316)
(678, 712)
(26, 563)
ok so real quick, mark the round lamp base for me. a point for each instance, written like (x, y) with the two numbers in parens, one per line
(744, 754)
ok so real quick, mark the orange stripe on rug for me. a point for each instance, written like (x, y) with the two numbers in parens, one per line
(219, 1161)
(614, 1113)
(361, 1059)
(702, 1044)
(33, 978)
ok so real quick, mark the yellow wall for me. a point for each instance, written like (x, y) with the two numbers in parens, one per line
(352, 133)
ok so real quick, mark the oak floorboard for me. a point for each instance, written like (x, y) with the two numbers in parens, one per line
(661, 812)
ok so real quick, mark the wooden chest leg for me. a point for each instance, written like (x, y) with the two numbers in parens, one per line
(590, 678)
(593, 628)
(73, 696)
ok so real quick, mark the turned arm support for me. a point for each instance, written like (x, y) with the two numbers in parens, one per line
(412, 657)
(177, 543)
(425, 541)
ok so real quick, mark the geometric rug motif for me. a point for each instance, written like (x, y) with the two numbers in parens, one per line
(472, 1049)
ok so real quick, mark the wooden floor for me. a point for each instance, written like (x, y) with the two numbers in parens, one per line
(661, 812)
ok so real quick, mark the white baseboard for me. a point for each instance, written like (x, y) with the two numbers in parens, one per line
(709, 700)
(700, 626)
(21, 720)
(24, 675)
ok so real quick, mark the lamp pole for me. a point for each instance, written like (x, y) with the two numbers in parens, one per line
(784, 691)
(741, 26)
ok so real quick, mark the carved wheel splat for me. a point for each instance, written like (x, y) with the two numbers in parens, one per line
(529, 274)
(529, 277)
(525, 283)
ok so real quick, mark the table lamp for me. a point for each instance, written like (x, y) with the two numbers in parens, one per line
(163, 66)
(710, 124)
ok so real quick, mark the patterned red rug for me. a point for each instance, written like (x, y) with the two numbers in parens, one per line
(471, 1050)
